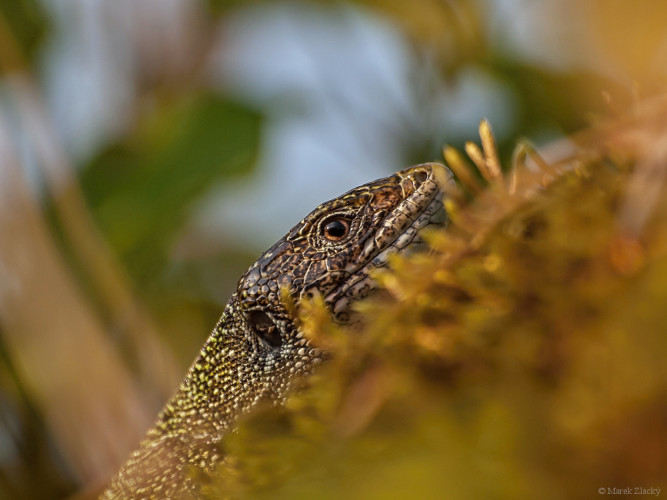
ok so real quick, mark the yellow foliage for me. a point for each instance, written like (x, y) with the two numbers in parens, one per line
(522, 358)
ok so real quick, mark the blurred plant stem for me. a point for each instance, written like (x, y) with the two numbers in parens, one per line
(58, 343)
(61, 351)
(157, 369)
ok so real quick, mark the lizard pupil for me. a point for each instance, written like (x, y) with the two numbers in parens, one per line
(265, 328)
(337, 229)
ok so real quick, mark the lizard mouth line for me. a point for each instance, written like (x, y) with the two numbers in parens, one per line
(400, 232)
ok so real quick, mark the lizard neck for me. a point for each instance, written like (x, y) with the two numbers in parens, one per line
(223, 383)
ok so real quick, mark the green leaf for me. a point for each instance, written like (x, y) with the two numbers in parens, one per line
(140, 190)
(23, 27)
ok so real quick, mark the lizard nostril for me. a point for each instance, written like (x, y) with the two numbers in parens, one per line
(421, 177)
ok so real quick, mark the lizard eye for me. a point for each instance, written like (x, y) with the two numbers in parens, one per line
(336, 229)
(265, 328)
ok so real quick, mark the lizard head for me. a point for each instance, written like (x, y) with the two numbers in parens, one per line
(333, 249)
(257, 347)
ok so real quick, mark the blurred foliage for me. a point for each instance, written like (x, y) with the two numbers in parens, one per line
(523, 359)
(633, 35)
(575, 99)
(221, 7)
(141, 188)
(26, 27)
(33, 444)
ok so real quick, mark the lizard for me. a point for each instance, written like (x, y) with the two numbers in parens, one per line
(257, 349)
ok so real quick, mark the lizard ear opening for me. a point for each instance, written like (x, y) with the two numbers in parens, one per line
(265, 328)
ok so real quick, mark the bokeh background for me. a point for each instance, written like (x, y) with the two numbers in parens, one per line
(151, 149)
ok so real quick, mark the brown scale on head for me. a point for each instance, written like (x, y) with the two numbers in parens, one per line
(257, 349)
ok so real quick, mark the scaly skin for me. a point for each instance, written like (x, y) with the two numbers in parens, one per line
(257, 350)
